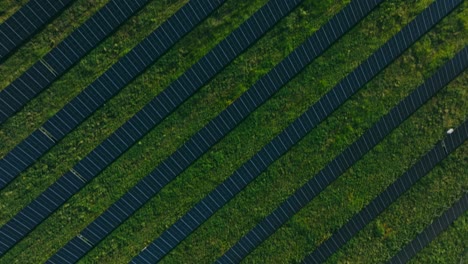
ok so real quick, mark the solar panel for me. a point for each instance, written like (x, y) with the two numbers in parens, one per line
(55, 63)
(212, 133)
(432, 231)
(346, 159)
(394, 191)
(153, 113)
(104, 88)
(26, 22)
(280, 144)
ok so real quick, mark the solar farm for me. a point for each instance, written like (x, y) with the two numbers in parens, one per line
(228, 131)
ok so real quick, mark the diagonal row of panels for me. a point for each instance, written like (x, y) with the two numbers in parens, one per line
(433, 230)
(126, 147)
(24, 23)
(296, 131)
(81, 237)
(260, 14)
(216, 129)
(345, 160)
(67, 53)
(152, 114)
(105, 87)
(390, 194)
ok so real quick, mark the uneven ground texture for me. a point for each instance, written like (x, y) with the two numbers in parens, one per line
(377, 242)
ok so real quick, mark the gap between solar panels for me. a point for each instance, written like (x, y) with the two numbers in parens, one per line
(26, 22)
(345, 160)
(389, 195)
(151, 115)
(291, 135)
(213, 131)
(432, 231)
(105, 87)
(67, 53)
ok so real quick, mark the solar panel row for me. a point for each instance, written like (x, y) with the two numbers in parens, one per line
(152, 114)
(340, 164)
(432, 231)
(369, 213)
(65, 55)
(26, 22)
(105, 87)
(47, 134)
(215, 130)
(291, 135)
(387, 197)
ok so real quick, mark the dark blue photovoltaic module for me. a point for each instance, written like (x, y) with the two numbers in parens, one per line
(104, 88)
(67, 53)
(26, 22)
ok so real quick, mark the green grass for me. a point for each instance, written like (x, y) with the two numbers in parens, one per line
(411, 213)
(9, 7)
(261, 197)
(446, 249)
(141, 91)
(85, 72)
(316, 221)
(41, 43)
